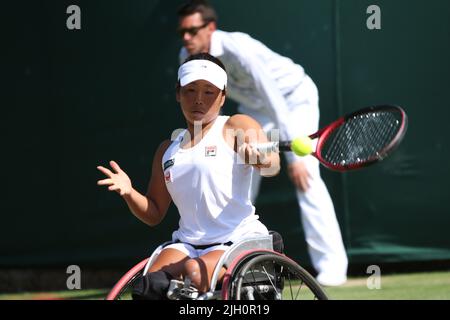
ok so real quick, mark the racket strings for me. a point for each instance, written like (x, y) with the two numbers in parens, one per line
(361, 138)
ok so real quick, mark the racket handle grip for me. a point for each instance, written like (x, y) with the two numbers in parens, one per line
(268, 147)
(274, 146)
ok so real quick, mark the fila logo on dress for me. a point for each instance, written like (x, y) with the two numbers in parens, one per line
(210, 151)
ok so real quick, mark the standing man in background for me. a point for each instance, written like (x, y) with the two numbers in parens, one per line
(279, 95)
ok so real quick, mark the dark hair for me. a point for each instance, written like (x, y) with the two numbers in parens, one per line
(201, 6)
(204, 56)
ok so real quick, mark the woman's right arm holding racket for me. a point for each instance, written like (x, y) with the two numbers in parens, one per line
(151, 207)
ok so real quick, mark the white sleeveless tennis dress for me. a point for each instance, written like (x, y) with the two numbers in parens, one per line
(211, 190)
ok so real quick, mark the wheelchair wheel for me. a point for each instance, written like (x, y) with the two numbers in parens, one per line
(122, 289)
(227, 282)
(273, 276)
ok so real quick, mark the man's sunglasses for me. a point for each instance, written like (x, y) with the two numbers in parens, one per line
(192, 31)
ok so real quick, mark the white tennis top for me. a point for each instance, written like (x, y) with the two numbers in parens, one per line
(211, 189)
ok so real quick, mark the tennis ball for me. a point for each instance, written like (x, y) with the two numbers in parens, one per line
(302, 146)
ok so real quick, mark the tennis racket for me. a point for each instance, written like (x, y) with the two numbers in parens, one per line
(355, 140)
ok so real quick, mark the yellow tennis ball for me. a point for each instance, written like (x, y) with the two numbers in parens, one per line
(302, 146)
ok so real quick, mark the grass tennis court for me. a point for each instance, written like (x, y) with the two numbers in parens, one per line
(421, 286)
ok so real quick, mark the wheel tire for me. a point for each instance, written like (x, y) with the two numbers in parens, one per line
(286, 267)
(126, 281)
(235, 266)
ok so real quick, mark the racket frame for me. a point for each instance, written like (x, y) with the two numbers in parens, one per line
(324, 133)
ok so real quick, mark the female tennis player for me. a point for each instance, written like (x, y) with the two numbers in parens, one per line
(206, 171)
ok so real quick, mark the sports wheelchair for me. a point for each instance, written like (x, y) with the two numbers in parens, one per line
(254, 271)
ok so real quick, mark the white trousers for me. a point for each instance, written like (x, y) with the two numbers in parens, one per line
(323, 236)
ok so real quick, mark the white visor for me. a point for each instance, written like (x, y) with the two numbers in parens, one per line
(202, 70)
